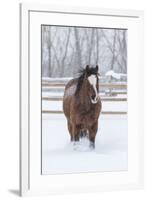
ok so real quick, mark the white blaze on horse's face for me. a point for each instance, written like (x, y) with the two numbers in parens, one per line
(93, 81)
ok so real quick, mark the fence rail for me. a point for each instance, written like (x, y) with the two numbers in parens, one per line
(110, 86)
(103, 112)
(101, 85)
(102, 99)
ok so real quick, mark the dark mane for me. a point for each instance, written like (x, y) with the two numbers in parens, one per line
(82, 74)
(80, 80)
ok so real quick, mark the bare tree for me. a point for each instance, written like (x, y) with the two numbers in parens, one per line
(97, 45)
(78, 49)
(65, 51)
(49, 50)
(46, 44)
(90, 47)
(113, 50)
(110, 47)
(123, 50)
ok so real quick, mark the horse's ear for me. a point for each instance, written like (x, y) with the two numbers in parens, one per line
(97, 67)
(87, 68)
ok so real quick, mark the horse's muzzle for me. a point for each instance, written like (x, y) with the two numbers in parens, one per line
(94, 99)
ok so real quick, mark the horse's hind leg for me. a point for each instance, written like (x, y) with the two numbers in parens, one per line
(70, 130)
(92, 134)
(83, 133)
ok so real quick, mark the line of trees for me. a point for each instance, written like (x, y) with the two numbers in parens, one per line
(67, 49)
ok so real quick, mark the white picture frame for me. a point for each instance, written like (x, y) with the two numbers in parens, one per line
(31, 180)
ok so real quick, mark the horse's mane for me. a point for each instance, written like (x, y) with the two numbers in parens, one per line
(80, 80)
(82, 73)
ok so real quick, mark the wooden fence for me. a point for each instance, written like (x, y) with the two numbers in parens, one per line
(112, 87)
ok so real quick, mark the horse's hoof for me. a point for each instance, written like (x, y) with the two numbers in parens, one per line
(75, 143)
(92, 146)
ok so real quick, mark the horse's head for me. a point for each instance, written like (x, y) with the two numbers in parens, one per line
(92, 78)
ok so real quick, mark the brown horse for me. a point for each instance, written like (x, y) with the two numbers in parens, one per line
(82, 105)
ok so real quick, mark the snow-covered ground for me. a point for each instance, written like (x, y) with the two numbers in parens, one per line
(106, 106)
(59, 155)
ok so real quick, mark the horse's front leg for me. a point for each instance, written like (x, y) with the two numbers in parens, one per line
(76, 132)
(92, 134)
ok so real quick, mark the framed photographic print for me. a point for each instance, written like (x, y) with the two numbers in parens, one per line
(81, 99)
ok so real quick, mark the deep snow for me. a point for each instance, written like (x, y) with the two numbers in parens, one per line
(59, 155)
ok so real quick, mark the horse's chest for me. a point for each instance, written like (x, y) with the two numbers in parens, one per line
(91, 115)
(87, 116)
